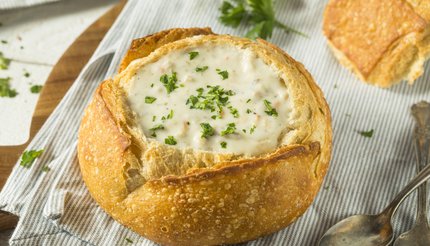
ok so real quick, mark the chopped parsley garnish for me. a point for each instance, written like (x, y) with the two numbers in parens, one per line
(4, 42)
(29, 156)
(224, 74)
(128, 240)
(157, 127)
(193, 54)
(201, 69)
(169, 82)
(5, 90)
(153, 118)
(234, 112)
(26, 74)
(231, 128)
(223, 145)
(150, 100)
(46, 169)
(170, 140)
(244, 130)
(152, 85)
(367, 134)
(247, 101)
(251, 131)
(36, 88)
(207, 130)
(248, 111)
(269, 109)
(169, 116)
(213, 100)
(4, 62)
(259, 14)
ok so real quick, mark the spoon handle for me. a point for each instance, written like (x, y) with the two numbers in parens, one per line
(421, 114)
(413, 184)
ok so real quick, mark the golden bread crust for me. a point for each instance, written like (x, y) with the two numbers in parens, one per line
(381, 41)
(189, 197)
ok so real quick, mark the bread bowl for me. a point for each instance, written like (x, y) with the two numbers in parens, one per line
(381, 41)
(179, 184)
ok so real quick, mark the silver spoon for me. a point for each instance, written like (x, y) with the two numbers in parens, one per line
(420, 233)
(362, 230)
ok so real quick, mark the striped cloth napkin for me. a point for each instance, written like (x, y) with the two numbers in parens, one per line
(55, 208)
(13, 4)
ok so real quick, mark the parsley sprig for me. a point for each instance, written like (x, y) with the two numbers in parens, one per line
(257, 13)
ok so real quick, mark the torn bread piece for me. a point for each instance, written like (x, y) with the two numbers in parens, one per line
(381, 41)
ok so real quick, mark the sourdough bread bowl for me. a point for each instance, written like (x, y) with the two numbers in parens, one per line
(381, 41)
(205, 139)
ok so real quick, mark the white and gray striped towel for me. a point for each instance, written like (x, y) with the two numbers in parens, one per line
(55, 208)
(13, 4)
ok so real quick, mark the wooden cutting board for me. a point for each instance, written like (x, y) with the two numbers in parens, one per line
(59, 81)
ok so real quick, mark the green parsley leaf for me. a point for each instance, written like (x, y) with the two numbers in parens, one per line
(207, 130)
(170, 140)
(4, 62)
(224, 74)
(170, 82)
(157, 127)
(5, 90)
(150, 100)
(128, 240)
(26, 74)
(269, 109)
(201, 69)
(152, 85)
(234, 112)
(223, 145)
(367, 134)
(36, 88)
(231, 128)
(251, 131)
(193, 54)
(232, 15)
(170, 115)
(248, 111)
(256, 13)
(46, 169)
(247, 101)
(244, 130)
(4, 42)
(29, 156)
(153, 118)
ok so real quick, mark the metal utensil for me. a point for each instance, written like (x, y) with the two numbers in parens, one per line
(362, 230)
(420, 233)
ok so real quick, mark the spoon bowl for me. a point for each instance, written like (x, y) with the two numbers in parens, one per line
(420, 235)
(359, 230)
